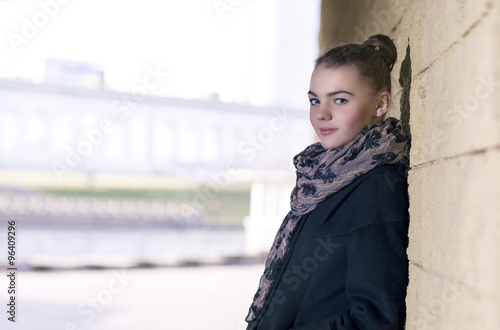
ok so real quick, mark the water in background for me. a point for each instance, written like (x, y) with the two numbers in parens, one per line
(77, 245)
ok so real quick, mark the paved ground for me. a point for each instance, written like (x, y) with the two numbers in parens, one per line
(210, 297)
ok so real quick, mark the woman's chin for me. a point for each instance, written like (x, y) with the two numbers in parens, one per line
(330, 145)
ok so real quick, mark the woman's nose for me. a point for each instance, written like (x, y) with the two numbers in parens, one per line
(324, 114)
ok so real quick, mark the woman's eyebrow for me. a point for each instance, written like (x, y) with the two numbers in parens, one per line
(331, 93)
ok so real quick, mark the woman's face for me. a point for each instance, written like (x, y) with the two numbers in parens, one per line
(341, 105)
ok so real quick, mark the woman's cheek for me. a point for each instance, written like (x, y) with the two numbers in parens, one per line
(356, 117)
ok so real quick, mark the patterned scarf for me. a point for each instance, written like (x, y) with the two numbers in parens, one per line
(320, 173)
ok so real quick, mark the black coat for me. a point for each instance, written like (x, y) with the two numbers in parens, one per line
(348, 268)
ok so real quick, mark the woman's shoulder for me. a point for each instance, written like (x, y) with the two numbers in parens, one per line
(385, 182)
(386, 179)
(385, 189)
(377, 197)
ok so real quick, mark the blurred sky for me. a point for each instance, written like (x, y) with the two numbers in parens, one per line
(258, 52)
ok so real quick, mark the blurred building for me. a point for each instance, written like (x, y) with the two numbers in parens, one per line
(78, 74)
(73, 134)
(66, 131)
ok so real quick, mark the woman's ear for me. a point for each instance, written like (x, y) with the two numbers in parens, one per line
(384, 101)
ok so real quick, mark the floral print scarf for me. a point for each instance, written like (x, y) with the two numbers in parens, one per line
(320, 173)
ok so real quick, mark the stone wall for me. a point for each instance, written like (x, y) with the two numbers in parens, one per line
(446, 90)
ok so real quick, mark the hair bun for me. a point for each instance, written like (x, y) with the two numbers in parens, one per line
(385, 46)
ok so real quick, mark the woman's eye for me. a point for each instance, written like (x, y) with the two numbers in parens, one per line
(340, 101)
(314, 101)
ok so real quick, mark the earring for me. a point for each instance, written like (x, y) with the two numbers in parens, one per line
(378, 113)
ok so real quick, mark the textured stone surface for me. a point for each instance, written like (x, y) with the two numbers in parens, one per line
(446, 303)
(454, 224)
(345, 21)
(434, 26)
(455, 102)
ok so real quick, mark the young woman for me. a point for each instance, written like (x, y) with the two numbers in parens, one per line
(339, 258)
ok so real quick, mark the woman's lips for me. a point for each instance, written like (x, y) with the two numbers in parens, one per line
(326, 131)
